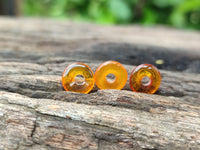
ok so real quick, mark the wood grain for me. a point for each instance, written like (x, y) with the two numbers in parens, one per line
(36, 112)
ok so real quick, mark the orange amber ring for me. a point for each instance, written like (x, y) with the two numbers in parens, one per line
(78, 77)
(145, 78)
(111, 75)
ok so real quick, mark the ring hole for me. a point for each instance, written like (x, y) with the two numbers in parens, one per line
(110, 78)
(79, 80)
(146, 81)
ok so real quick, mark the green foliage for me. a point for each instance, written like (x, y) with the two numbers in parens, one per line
(178, 13)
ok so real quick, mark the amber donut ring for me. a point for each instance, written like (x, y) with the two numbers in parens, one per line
(78, 77)
(114, 68)
(145, 72)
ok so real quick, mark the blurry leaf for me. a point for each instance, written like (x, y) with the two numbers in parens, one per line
(100, 13)
(120, 9)
(175, 2)
(150, 17)
(161, 3)
(195, 17)
(178, 17)
(105, 17)
(133, 1)
(178, 13)
(166, 3)
(58, 8)
(94, 9)
(76, 2)
(188, 5)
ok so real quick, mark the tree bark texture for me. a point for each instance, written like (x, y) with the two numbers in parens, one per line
(36, 112)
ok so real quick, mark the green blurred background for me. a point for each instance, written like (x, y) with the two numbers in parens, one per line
(176, 13)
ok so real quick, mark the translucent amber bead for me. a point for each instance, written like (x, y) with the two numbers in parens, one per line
(145, 78)
(112, 68)
(78, 77)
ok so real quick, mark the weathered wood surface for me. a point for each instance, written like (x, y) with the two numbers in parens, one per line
(36, 112)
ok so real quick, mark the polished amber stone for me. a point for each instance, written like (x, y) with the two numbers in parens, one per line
(111, 68)
(145, 78)
(78, 77)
